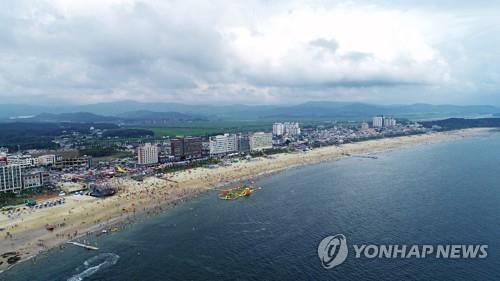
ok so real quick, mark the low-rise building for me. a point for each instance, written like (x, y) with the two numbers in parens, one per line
(47, 160)
(73, 163)
(24, 160)
(32, 179)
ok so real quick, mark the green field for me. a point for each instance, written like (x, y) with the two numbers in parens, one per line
(210, 128)
(214, 127)
(204, 128)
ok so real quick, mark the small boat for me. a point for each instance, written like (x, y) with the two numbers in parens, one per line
(50, 227)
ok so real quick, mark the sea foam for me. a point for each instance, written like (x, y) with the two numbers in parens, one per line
(93, 265)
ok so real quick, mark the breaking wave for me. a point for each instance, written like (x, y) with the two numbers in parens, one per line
(93, 265)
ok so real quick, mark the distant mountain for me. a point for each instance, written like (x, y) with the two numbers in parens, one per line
(302, 111)
(78, 117)
(152, 115)
(314, 110)
(19, 110)
(210, 111)
(87, 117)
(354, 110)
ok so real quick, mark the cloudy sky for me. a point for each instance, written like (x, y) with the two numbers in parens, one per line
(252, 52)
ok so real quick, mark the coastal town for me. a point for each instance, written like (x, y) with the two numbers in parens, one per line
(50, 197)
(66, 171)
(249, 140)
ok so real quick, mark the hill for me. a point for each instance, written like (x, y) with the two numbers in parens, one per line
(153, 115)
(130, 110)
(77, 117)
(462, 123)
(38, 135)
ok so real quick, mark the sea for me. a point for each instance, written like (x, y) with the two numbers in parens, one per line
(445, 193)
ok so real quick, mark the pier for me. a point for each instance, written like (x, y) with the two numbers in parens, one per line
(365, 156)
(360, 156)
(88, 247)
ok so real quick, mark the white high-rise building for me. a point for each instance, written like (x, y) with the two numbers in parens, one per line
(378, 121)
(381, 121)
(243, 143)
(222, 144)
(11, 178)
(278, 129)
(260, 141)
(147, 154)
(292, 129)
(389, 122)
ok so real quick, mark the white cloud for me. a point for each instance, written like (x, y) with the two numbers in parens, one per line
(279, 52)
(252, 51)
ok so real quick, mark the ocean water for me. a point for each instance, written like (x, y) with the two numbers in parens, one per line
(444, 193)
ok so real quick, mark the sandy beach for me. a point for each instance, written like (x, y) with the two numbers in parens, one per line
(26, 235)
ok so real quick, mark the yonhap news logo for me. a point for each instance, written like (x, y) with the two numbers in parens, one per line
(333, 251)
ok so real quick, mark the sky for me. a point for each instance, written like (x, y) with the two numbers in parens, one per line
(249, 52)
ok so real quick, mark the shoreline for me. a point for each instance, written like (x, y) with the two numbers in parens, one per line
(83, 216)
